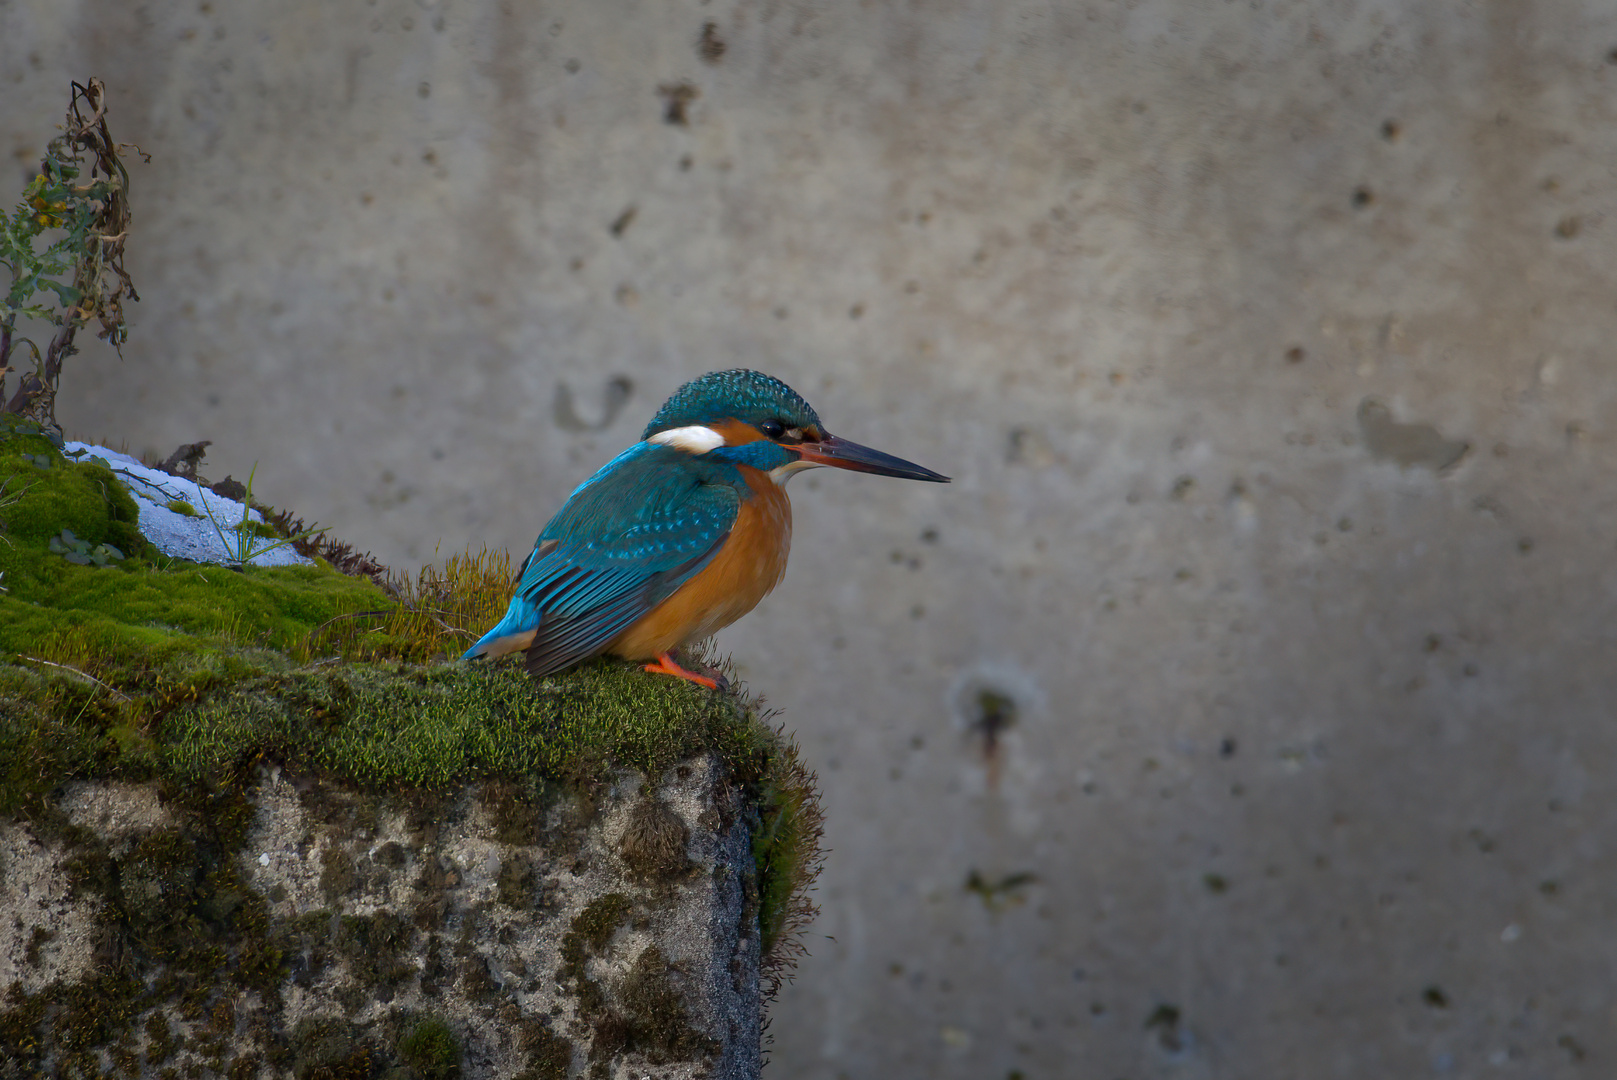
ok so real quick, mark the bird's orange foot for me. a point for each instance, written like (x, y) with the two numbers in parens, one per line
(666, 665)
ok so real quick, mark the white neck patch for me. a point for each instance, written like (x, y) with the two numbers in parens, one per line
(783, 473)
(697, 439)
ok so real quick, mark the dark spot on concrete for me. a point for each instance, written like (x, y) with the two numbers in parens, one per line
(517, 885)
(1362, 197)
(1217, 884)
(657, 1023)
(337, 876)
(1390, 130)
(856, 311)
(710, 46)
(1002, 893)
(1573, 1048)
(572, 65)
(516, 810)
(677, 98)
(1164, 1020)
(374, 946)
(38, 938)
(655, 841)
(992, 711)
(1182, 487)
(1568, 227)
(1227, 748)
(621, 223)
(477, 982)
(1434, 997)
(1409, 445)
(1295, 354)
(329, 1050)
(1016, 444)
(614, 396)
(424, 90)
(550, 1056)
(435, 973)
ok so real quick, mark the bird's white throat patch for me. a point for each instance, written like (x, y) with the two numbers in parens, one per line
(782, 473)
(696, 439)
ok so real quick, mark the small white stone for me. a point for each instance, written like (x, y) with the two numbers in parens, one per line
(263, 860)
(1510, 933)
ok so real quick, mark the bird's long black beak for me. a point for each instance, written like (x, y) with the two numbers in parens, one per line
(845, 454)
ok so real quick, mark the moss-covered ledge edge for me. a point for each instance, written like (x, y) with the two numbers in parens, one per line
(146, 669)
(417, 731)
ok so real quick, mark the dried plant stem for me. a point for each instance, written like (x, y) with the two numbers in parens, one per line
(114, 691)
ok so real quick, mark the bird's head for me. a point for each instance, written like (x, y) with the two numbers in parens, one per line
(750, 418)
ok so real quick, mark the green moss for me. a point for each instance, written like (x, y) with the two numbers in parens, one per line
(180, 506)
(383, 726)
(83, 497)
(431, 1051)
(143, 610)
(787, 856)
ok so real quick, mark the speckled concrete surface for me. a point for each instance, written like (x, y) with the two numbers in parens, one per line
(477, 915)
(1243, 709)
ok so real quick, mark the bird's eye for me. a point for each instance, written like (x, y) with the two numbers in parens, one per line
(772, 428)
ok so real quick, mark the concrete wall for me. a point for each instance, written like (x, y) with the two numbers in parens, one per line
(1216, 722)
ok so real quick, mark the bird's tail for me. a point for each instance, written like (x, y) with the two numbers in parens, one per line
(511, 634)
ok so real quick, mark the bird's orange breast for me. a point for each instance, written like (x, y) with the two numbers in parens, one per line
(750, 564)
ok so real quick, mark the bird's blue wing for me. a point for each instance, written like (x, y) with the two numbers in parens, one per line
(625, 541)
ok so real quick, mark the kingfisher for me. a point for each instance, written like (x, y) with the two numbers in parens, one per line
(681, 534)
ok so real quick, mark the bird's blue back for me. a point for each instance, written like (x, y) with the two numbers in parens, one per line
(624, 541)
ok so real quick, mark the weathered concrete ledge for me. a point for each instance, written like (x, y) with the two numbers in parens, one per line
(497, 931)
(260, 823)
